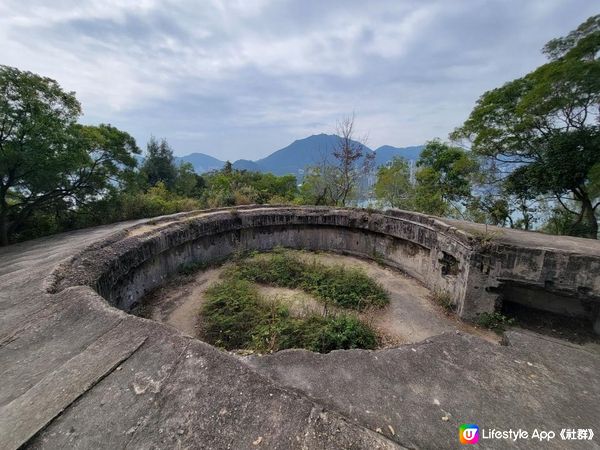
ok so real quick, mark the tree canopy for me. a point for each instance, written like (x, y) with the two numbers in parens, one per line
(46, 158)
(543, 128)
(159, 163)
(393, 185)
(337, 181)
(443, 179)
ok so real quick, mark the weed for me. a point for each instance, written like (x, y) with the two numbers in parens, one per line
(340, 286)
(236, 317)
(485, 239)
(378, 257)
(495, 321)
(444, 299)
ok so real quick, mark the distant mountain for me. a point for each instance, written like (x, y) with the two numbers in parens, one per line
(300, 154)
(314, 149)
(202, 163)
(296, 157)
(386, 153)
(246, 164)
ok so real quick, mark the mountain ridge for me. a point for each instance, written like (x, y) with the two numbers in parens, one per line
(295, 157)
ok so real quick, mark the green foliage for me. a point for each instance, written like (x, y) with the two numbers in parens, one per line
(48, 162)
(340, 286)
(546, 125)
(564, 222)
(232, 312)
(122, 205)
(191, 268)
(581, 40)
(230, 187)
(156, 201)
(56, 174)
(393, 185)
(188, 183)
(317, 186)
(159, 164)
(443, 179)
(495, 321)
(489, 210)
(235, 316)
(317, 333)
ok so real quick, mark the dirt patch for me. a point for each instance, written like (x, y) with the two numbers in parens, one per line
(299, 302)
(411, 316)
(178, 302)
(141, 229)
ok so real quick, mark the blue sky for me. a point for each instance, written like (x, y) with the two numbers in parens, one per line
(242, 78)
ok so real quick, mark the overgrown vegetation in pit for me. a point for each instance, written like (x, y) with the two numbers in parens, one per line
(349, 288)
(235, 316)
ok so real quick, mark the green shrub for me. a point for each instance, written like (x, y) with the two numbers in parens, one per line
(156, 201)
(232, 312)
(324, 334)
(495, 321)
(347, 288)
(235, 316)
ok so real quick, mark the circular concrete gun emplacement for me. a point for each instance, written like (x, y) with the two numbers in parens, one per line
(78, 371)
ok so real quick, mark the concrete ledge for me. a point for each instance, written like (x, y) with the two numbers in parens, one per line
(477, 271)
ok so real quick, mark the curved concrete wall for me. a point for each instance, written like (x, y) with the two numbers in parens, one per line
(124, 268)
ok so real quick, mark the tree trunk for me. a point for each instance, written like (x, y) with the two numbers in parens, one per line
(588, 219)
(3, 229)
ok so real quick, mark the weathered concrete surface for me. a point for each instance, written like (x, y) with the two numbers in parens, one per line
(554, 273)
(69, 382)
(78, 373)
(478, 271)
(425, 391)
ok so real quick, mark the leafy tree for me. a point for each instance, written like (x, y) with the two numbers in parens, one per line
(393, 186)
(546, 124)
(443, 179)
(228, 187)
(560, 222)
(159, 165)
(187, 182)
(47, 160)
(489, 209)
(317, 187)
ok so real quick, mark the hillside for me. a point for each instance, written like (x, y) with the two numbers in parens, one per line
(246, 164)
(386, 153)
(294, 158)
(202, 163)
(315, 149)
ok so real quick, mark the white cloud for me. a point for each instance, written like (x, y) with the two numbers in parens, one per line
(241, 76)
